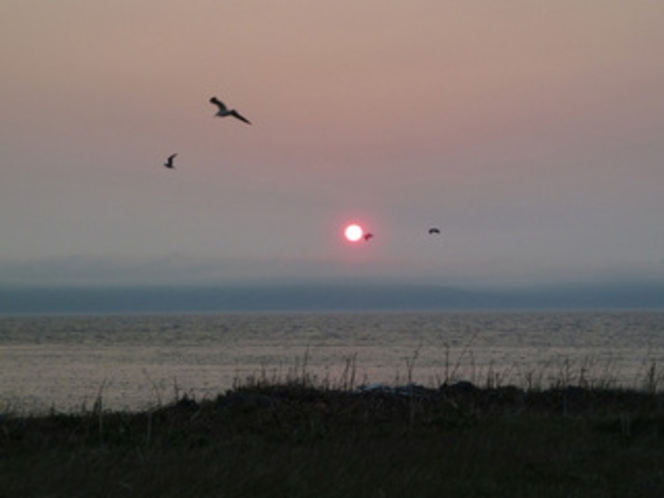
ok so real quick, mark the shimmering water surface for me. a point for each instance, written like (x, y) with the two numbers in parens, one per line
(137, 361)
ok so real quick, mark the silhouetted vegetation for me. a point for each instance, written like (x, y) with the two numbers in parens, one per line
(293, 438)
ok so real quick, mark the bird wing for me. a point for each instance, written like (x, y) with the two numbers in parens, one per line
(236, 114)
(218, 103)
(171, 157)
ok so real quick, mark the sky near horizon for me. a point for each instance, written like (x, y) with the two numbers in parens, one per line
(530, 133)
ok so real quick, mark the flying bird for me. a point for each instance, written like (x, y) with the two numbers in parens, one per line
(225, 111)
(368, 236)
(169, 161)
(434, 230)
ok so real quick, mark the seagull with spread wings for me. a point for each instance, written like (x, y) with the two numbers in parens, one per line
(225, 111)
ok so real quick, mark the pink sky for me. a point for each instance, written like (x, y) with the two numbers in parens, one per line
(529, 132)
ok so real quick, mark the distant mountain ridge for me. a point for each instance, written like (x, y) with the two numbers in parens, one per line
(325, 297)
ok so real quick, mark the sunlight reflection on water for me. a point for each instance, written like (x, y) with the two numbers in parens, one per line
(136, 362)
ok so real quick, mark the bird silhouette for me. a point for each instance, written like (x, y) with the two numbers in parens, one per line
(434, 230)
(169, 161)
(368, 236)
(225, 111)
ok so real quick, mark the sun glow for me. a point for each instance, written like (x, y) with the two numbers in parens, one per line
(353, 232)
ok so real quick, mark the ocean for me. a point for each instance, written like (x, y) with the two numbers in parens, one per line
(136, 362)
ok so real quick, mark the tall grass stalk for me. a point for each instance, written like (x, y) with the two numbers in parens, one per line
(451, 371)
(410, 365)
(155, 387)
(98, 411)
(347, 379)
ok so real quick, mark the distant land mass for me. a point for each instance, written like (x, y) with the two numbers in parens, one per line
(320, 297)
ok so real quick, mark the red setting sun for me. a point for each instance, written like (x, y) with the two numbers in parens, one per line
(353, 232)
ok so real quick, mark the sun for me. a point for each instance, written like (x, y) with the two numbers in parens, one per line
(353, 232)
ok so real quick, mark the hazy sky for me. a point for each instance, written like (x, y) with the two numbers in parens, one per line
(531, 133)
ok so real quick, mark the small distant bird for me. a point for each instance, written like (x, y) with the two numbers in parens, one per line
(169, 161)
(368, 236)
(225, 111)
(434, 230)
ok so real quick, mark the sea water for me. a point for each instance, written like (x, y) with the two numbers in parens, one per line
(134, 362)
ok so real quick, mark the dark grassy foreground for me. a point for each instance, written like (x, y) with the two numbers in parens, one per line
(293, 440)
